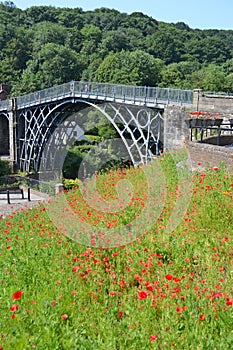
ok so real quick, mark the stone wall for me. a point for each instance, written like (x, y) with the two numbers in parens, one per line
(213, 103)
(4, 136)
(210, 155)
(176, 132)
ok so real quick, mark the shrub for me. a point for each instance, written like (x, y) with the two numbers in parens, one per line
(5, 168)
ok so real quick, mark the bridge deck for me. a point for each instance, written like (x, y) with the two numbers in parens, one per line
(137, 95)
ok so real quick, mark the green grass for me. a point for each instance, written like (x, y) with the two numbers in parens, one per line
(173, 280)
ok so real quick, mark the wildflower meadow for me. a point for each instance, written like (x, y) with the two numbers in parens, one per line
(167, 284)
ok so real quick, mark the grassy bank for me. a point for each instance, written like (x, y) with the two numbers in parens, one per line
(169, 287)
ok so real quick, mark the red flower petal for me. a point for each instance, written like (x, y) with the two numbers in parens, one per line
(153, 337)
(64, 316)
(169, 277)
(17, 295)
(14, 307)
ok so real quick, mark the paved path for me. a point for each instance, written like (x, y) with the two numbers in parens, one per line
(17, 203)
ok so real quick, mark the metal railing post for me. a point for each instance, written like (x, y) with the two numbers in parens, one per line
(8, 197)
(29, 194)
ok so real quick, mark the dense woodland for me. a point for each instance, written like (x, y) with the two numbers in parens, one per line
(43, 46)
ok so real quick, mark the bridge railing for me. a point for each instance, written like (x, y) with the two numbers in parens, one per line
(45, 95)
(134, 93)
(92, 90)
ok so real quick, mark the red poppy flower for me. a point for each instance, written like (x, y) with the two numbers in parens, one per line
(17, 295)
(169, 277)
(229, 301)
(75, 268)
(176, 279)
(64, 316)
(121, 314)
(14, 307)
(142, 295)
(153, 337)
(115, 254)
(179, 310)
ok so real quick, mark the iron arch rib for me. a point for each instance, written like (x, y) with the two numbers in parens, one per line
(40, 122)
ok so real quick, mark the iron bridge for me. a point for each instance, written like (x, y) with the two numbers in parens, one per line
(37, 128)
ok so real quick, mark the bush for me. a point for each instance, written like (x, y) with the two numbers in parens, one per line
(5, 168)
(70, 183)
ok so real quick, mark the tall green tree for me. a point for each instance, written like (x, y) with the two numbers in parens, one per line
(147, 25)
(178, 75)
(166, 45)
(136, 68)
(229, 83)
(70, 17)
(47, 32)
(214, 79)
(114, 41)
(105, 19)
(53, 64)
(37, 14)
(91, 38)
(14, 57)
(208, 50)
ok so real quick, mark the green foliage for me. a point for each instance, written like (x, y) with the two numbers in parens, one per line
(47, 32)
(53, 64)
(5, 168)
(147, 25)
(44, 45)
(37, 14)
(73, 161)
(71, 183)
(135, 68)
(166, 45)
(229, 82)
(214, 78)
(114, 41)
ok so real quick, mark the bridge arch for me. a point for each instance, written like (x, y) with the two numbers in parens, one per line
(4, 134)
(38, 124)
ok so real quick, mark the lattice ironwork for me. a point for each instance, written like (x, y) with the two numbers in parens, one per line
(39, 113)
(139, 129)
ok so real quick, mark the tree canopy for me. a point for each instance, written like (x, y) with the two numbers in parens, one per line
(45, 45)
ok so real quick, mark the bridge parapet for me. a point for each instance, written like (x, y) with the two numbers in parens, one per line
(129, 94)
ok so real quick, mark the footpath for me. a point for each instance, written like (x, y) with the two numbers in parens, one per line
(18, 204)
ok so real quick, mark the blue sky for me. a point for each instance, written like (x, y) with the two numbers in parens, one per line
(202, 14)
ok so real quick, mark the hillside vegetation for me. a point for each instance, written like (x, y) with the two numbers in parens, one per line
(43, 46)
